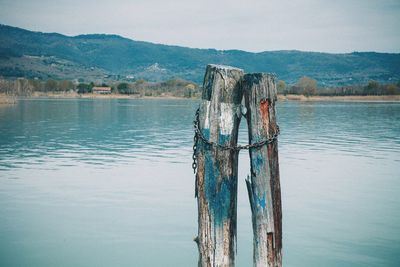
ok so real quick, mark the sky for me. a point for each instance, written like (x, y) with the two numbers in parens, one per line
(336, 26)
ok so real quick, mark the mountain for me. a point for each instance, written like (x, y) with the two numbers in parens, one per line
(98, 56)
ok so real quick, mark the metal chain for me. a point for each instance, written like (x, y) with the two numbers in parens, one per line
(195, 140)
(199, 135)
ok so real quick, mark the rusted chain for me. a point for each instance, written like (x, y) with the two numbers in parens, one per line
(198, 135)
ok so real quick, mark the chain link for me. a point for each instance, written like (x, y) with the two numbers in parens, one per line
(199, 135)
(195, 140)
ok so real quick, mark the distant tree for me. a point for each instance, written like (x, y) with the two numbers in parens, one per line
(123, 88)
(190, 90)
(391, 89)
(281, 87)
(36, 85)
(114, 89)
(140, 82)
(84, 88)
(23, 87)
(373, 84)
(307, 85)
(65, 85)
(50, 85)
(371, 88)
(141, 87)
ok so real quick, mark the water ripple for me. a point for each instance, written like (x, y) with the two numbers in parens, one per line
(104, 133)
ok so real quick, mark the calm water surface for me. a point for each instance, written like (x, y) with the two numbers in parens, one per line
(109, 183)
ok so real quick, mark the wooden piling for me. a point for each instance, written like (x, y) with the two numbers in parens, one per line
(216, 178)
(263, 185)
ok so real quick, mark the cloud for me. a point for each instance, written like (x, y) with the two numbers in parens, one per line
(253, 25)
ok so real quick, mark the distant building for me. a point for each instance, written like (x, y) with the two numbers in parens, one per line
(101, 90)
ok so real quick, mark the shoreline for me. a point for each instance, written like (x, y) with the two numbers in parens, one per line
(5, 99)
(350, 98)
(74, 95)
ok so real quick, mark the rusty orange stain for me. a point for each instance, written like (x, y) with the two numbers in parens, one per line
(264, 109)
(270, 247)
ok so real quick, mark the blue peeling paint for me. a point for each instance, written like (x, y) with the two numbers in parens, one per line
(201, 145)
(206, 133)
(222, 201)
(262, 201)
(218, 192)
(223, 139)
(258, 163)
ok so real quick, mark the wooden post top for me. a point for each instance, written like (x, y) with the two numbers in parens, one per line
(222, 67)
(222, 84)
(260, 86)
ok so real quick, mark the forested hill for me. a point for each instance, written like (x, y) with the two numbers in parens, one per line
(30, 54)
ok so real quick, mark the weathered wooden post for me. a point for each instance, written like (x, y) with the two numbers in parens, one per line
(263, 185)
(217, 165)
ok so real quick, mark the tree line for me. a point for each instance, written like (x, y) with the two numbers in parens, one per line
(173, 87)
(181, 88)
(308, 87)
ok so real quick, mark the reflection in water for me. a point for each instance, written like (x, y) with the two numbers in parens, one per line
(110, 131)
(109, 183)
(105, 131)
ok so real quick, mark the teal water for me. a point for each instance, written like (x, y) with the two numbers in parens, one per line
(109, 183)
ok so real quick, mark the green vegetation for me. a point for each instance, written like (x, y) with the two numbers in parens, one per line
(305, 86)
(281, 87)
(308, 87)
(123, 88)
(180, 88)
(372, 88)
(84, 88)
(25, 87)
(113, 58)
(174, 87)
(140, 88)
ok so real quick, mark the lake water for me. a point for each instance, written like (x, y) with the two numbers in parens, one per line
(109, 183)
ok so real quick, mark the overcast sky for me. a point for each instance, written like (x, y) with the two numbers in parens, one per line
(252, 25)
